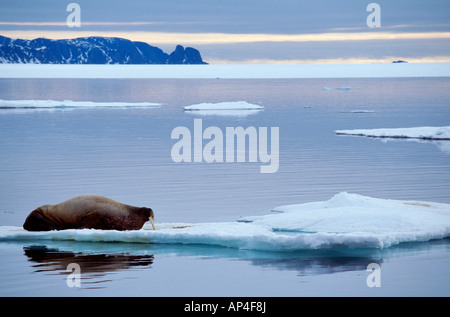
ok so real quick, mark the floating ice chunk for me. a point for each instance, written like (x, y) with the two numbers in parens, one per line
(226, 113)
(231, 105)
(424, 133)
(69, 104)
(339, 88)
(362, 111)
(346, 221)
(358, 111)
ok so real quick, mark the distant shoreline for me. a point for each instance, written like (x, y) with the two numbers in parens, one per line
(232, 71)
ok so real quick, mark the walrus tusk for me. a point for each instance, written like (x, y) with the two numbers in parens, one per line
(153, 222)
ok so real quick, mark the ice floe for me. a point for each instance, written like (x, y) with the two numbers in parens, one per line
(227, 113)
(70, 104)
(423, 133)
(227, 105)
(230, 108)
(344, 221)
(339, 88)
(358, 111)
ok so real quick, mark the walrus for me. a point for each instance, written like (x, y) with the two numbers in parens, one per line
(88, 212)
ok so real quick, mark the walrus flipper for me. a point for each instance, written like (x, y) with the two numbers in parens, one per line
(36, 222)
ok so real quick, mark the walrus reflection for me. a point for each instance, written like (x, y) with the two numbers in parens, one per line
(94, 267)
(88, 212)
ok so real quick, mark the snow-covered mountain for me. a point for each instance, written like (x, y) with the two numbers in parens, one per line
(92, 50)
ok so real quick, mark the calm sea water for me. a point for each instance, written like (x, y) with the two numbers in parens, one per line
(50, 155)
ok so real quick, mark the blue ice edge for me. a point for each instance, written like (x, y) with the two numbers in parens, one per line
(344, 221)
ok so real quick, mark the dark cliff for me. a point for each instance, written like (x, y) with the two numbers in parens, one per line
(92, 50)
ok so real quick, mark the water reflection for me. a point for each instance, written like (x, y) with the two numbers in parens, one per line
(94, 267)
(442, 145)
(316, 266)
(99, 260)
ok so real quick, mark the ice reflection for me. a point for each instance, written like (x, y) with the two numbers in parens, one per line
(99, 260)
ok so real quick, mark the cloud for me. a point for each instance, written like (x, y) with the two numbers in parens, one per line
(229, 38)
(355, 60)
(84, 23)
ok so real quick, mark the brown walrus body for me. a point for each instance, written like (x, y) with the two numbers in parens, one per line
(88, 212)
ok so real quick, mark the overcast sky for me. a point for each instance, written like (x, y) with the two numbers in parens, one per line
(250, 31)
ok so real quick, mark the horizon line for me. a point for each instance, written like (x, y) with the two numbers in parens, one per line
(163, 38)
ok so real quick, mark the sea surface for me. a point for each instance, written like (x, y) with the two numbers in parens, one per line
(49, 155)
